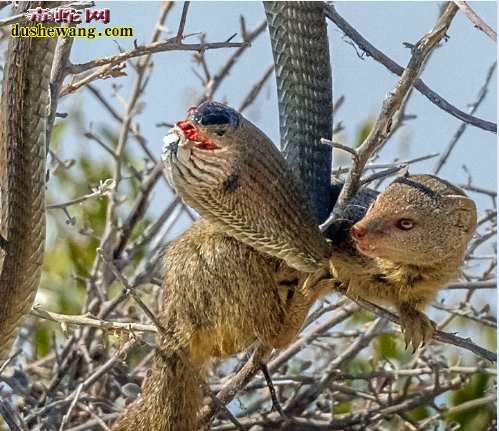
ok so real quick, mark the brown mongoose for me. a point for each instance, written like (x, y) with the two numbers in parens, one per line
(225, 286)
(406, 247)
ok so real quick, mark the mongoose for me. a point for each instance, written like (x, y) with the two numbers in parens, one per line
(410, 242)
(232, 281)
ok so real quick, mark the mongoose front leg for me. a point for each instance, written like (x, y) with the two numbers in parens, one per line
(418, 329)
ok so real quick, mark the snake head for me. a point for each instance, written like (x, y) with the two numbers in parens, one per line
(202, 145)
(205, 128)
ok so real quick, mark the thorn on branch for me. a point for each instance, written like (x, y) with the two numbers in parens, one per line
(231, 37)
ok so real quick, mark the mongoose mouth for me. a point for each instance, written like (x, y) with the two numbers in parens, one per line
(368, 250)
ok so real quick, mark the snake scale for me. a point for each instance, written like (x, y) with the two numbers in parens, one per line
(22, 181)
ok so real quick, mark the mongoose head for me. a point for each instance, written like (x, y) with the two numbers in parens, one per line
(418, 220)
(232, 174)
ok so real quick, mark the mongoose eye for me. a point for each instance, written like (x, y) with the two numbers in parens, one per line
(405, 224)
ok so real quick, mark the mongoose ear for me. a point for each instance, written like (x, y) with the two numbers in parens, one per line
(465, 209)
(404, 172)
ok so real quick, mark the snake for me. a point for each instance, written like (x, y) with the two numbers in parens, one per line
(232, 174)
(25, 96)
(303, 73)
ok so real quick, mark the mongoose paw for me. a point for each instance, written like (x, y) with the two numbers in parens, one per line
(418, 329)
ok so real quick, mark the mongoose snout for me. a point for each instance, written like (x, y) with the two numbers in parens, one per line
(361, 241)
(368, 235)
(357, 233)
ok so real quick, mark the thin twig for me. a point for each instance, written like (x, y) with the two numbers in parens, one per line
(273, 395)
(346, 148)
(160, 46)
(476, 20)
(183, 18)
(8, 415)
(257, 88)
(480, 98)
(212, 86)
(488, 284)
(92, 321)
(100, 191)
(438, 336)
(71, 407)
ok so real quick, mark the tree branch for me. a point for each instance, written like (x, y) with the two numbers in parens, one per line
(419, 85)
(476, 20)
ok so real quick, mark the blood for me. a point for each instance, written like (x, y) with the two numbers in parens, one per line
(191, 133)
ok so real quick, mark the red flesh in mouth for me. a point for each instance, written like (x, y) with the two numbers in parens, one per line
(191, 133)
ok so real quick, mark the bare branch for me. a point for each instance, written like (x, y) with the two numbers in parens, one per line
(255, 91)
(183, 18)
(88, 320)
(476, 20)
(397, 69)
(98, 192)
(212, 86)
(160, 46)
(480, 98)
(438, 336)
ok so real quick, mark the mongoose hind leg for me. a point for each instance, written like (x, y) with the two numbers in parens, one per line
(417, 327)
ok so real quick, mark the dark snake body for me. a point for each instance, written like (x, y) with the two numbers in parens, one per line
(298, 34)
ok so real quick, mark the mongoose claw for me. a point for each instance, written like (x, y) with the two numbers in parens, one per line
(417, 327)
